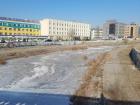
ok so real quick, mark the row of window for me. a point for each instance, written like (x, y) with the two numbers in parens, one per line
(67, 33)
(18, 29)
(19, 25)
(81, 28)
(16, 33)
(66, 29)
(68, 24)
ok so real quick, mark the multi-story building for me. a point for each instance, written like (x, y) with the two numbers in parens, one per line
(65, 30)
(132, 30)
(96, 33)
(114, 28)
(12, 26)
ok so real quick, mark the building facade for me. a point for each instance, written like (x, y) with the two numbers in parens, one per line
(65, 30)
(12, 26)
(96, 33)
(114, 28)
(132, 31)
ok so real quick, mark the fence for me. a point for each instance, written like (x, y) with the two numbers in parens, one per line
(24, 44)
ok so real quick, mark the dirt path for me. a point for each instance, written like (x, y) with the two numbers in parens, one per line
(121, 80)
(91, 88)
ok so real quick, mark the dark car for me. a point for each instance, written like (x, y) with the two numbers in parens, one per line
(48, 40)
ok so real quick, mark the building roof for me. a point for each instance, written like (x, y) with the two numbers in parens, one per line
(21, 20)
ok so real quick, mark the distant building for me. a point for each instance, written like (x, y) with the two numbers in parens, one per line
(96, 33)
(114, 29)
(65, 30)
(13, 26)
(132, 30)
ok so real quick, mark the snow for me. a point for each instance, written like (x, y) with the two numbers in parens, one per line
(56, 73)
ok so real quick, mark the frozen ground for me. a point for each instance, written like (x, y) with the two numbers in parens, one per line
(56, 73)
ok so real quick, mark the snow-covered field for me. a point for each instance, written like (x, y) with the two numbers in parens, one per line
(59, 72)
(55, 73)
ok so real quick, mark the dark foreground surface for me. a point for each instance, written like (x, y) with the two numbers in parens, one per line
(24, 98)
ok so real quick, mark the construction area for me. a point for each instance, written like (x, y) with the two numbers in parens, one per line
(84, 74)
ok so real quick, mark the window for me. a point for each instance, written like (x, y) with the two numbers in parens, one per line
(0, 23)
(20, 25)
(10, 28)
(50, 23)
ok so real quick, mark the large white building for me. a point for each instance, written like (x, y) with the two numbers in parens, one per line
(65, 30)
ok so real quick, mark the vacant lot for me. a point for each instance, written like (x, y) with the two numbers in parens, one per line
(10, 53)
(112, 73)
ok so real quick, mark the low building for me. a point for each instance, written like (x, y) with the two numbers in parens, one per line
(132, 30)
(65, 30)
(13, 26)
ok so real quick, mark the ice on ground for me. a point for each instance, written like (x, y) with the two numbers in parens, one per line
(56, 73)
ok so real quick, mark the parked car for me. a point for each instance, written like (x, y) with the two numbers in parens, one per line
(48, 40)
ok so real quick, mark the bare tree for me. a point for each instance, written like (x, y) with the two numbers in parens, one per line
(72, 34)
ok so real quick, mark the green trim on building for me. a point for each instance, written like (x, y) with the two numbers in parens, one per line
(19, 25)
